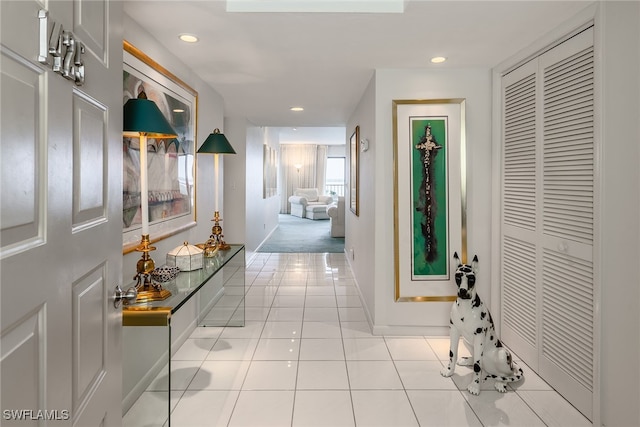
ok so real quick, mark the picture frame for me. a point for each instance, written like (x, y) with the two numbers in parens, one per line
(269, 172)
(171, 162)
(429, 180)
(354, 172)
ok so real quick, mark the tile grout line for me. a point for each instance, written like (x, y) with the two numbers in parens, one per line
(241, 389)
(344, 352)
(295, 385)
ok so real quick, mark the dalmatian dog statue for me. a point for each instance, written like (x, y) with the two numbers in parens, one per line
(471, 320)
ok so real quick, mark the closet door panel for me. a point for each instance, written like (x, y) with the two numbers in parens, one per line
(567, 361)
(519, 319)
(519, 155)
(566, 357)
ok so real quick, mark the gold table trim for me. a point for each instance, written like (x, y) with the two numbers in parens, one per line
(146, 316)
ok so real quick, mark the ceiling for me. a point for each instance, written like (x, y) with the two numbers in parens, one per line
(264, 63)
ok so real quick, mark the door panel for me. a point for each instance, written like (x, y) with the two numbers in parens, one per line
(90, 144)
(23, 346)
(21, 209)
(89, 333)
(520, 202)
(567, 345)
(62, 200)
(91, 21)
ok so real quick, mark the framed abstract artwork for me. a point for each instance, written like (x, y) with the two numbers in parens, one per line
(429, 197)
(269, 172)
(170, 162)
(354, 171)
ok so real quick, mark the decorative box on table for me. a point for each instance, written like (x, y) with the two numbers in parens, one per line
(186, 257)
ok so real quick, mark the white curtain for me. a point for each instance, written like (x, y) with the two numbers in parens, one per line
(321, 168)
(311, 160)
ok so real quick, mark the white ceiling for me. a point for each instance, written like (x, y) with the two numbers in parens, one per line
(327, 135)
(264, 63)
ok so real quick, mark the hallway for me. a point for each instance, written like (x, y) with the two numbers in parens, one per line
(306, 358)
(302, 235)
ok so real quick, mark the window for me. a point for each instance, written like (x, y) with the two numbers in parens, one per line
(334, 173)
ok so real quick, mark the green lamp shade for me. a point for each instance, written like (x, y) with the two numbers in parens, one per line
(216, 143)
(144, 116)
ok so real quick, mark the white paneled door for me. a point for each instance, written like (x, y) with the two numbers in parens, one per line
(61, 217)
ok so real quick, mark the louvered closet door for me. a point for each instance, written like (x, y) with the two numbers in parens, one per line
(520, 201)
(548, 223)
(567, 220)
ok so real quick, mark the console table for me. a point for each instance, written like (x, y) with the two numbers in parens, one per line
(215, 292)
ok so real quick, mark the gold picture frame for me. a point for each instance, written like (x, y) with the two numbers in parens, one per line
(171, 163)
(411, 143)
(354, 172)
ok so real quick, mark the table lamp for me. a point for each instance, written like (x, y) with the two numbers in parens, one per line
(143, 119)
(216, 143)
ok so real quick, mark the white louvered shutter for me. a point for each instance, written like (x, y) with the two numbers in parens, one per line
(547, 250)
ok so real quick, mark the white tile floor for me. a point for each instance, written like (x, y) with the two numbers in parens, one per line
(306, 357)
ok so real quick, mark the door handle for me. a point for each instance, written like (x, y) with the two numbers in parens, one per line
(126, 298)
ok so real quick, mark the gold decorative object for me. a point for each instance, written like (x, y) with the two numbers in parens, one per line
(186, 257)
(216, 240)
(147, 290)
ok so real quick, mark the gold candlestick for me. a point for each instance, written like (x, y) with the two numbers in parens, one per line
(216, 232)
(216, 240)
(147, 290)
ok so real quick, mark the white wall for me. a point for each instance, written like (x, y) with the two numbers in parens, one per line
(272, 204)
(620, 212)
(336, 150)
(235, 181)
(251, 218)
(360, 241)
(371, 236)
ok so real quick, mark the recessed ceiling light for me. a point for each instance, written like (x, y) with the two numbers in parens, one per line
(297, 109)
(178, 110)
(438, 59)
(188, 38)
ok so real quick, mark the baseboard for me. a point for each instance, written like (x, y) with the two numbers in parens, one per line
(393, 330)
(264, 240)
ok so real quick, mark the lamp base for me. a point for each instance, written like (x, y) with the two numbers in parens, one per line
(147, 290)
(216, 240)
(153, 295)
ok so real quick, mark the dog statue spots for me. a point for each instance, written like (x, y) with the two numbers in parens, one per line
(471, 320)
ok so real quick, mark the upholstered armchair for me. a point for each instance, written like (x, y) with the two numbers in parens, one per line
(308, 203)
(336, 215)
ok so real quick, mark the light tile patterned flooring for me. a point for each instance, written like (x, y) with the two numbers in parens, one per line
(306, 357)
